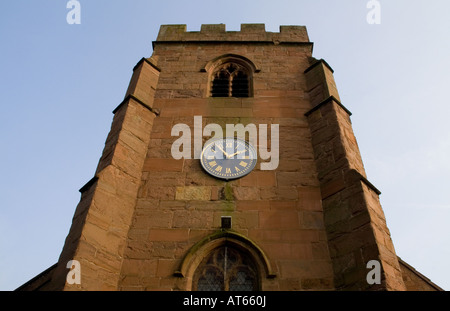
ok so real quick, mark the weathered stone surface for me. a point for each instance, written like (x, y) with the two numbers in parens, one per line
(147, 220)
(193, 193)
(352, 213)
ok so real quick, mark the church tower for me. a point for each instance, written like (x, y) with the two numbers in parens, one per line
(284, 203)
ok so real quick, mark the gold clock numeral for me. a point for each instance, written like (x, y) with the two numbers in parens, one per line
(228, 158)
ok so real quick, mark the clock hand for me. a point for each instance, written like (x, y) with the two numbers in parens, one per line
(226, 154)
(231, 155)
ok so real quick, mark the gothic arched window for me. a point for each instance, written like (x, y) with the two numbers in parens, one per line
(230, 80)
(226, 269)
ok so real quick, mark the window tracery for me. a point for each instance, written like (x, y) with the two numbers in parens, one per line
(230, 80)
(226, 269)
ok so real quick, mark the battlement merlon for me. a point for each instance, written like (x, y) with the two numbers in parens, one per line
(248, 33)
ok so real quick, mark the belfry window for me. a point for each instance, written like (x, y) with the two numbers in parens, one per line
(230, 80)
(226, 269)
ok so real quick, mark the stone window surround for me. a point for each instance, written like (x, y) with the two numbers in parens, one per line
(214, 65)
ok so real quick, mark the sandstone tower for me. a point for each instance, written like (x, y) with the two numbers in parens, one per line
(148, 221)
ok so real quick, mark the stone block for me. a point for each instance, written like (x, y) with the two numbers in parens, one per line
(192, 219)
(153, 219)
(286, 193)
(166, 267)
(246, 193)
(213, 28)
(193, 193)
(250, 205)
(253, 28)
(163, 165)
(312, 220)
(279, 219)
(245, 220)
(175, 234)
(289, 179)
(171, 32)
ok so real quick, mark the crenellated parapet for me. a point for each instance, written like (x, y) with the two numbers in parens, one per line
(248, 32)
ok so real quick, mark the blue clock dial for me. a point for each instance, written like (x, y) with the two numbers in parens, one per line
(228, 158)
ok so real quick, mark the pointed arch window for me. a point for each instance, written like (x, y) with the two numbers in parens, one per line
(230, 75)
(226, 269)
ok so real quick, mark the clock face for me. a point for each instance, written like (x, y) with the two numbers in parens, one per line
(228, 158)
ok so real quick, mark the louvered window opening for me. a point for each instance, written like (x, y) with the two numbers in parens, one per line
(230, 80)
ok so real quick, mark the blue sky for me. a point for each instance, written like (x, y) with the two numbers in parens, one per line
(60, 83)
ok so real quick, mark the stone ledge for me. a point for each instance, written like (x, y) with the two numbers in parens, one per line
(317, 62)
(426, 280)
(337, 185)
(92, 181)
(353, 174)
(369, 184)
(240, 42)
(131, 96)
(148, 61)
(326, 101)
(38, 281)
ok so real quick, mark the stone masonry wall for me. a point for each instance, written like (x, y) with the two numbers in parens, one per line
(355, 222)
(97, 238)
(146, 219)
(179, 204)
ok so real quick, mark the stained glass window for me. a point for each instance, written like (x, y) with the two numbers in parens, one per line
(226, 269)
